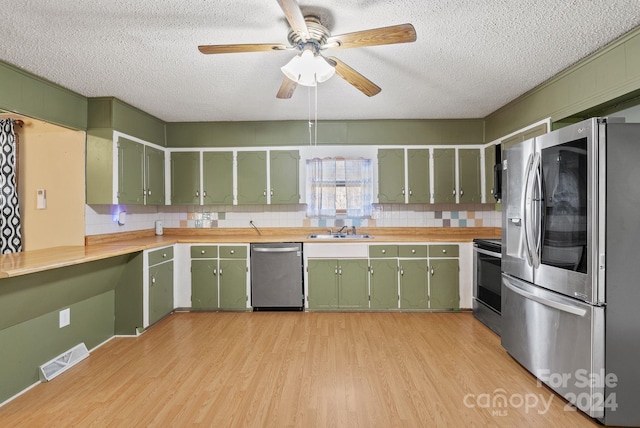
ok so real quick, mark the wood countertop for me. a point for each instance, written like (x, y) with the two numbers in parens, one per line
(104, 246)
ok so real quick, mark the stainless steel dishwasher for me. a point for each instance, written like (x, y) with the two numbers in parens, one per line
(276, 276)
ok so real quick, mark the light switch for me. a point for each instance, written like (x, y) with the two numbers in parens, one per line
(65, 317)
(41, 199)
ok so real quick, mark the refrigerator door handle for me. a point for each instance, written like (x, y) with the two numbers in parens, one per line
(547, 302)
(526, 211)
(536, 211)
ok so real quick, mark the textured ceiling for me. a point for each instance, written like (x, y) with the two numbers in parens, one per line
(471, 56)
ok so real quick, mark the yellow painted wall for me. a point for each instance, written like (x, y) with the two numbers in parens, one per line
(51, 158)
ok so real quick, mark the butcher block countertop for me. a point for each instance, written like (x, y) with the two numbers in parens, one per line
(99, 247)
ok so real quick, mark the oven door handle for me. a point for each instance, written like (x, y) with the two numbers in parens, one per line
(486, 252)
(547, 302)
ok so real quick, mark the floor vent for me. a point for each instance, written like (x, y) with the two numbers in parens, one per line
(63, 362)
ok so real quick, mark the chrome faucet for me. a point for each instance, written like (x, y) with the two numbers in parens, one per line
(341, 230)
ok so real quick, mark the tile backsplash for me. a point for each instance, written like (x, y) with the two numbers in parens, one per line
(100, 219)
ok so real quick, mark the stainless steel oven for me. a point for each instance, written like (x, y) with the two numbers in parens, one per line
(487, 280)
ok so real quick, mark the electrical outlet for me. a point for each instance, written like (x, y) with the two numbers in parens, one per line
(65, 317)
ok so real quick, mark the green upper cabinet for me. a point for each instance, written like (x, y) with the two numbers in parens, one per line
(130, 172)
(280, 187)
(489, 163)
(444, 176)
(391, 176)
(185, 178)
(252, 178)
(154, 176)
(140, 175)
(418, 176)
(470, 170)
(284, 166)
(217, 178)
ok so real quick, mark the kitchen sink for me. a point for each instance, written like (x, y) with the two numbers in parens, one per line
(340, 236)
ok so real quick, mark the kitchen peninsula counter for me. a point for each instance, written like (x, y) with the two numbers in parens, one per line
(99, 247)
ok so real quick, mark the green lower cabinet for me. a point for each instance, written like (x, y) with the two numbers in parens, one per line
(232, 280)
(323, 286)
(414, 274)
(338, 284)
(444, 284)
(204, 284)
(353, 283)
(383, 282)
(160, 291)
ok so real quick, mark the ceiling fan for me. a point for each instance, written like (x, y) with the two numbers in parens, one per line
(309, 37)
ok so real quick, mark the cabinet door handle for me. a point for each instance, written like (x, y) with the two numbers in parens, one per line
(153, 280)
(197, 193)
(144, 192)
(204, 193)
(340, 271)
(410, 192)
(461, 191)
(271, 192)
(371, 270)
(431, 270)
(336, 271)
(403, 191)
(401, 271)
(454, 192)
(215, 272)
(220, 271)
(149, 192)
(264, 193)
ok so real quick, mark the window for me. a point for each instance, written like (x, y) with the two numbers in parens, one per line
(339, 187)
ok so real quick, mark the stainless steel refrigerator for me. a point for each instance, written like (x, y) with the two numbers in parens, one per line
(571, 264)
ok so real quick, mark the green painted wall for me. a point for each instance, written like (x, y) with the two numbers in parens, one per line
(610, 74)
(296, 133)
(112, 114)
(30, 95)
(104, 296)
(29, 344)
(28, 296)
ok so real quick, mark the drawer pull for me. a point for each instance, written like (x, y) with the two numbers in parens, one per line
(232, 252)
(444, 251)
(202, 252)
(164, 255)
(384, 251)
(413, 251)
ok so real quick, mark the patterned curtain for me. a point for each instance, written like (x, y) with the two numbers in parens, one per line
(321, 187)
(359, 184)
(10, 231)
(352, 177)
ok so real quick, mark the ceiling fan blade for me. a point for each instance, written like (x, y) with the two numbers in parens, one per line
(294, 15)
(287, 88)
(403, 33)
(361, 83)
(222, 49)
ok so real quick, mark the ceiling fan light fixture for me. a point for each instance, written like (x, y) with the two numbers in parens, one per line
(308, 69)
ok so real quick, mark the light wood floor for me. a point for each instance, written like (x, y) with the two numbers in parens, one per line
(297, 369)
